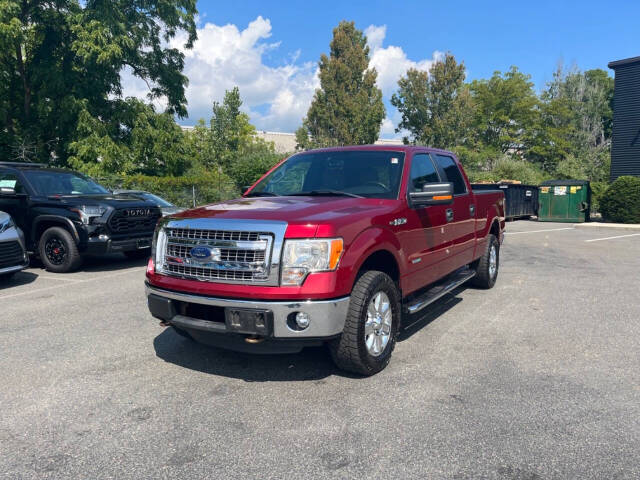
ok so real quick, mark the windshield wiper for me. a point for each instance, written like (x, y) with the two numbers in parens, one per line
(262, 194)
(325, 193)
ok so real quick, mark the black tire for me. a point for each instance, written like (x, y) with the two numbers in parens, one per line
(484, 277)
(182, 333)
(349, 351)
(138, 254)
(58, 251)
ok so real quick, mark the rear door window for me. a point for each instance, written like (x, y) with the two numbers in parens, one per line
(451, 173)
(422, 171)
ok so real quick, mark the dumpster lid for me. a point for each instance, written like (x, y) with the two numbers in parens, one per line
(552, 183)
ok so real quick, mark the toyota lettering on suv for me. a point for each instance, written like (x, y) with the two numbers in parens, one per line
(66, 215)
(331, 246)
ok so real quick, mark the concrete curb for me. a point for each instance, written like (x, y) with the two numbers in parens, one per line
(633, 227)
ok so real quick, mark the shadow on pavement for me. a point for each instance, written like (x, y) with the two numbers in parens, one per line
(312, 363)
(102, 263)
(414, 323)
(17, 279)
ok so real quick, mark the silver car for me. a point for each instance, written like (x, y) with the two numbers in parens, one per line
(13, 253)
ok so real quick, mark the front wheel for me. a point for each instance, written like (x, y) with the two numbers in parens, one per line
(487, 266)
(58, 251)
(371, 326)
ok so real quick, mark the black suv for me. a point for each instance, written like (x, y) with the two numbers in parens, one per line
(66, 214)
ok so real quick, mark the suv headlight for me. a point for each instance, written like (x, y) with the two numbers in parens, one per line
(302, 257)
(87, 212)
(7, 224)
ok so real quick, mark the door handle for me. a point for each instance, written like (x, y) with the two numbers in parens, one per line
(472, 210)
(449, 215)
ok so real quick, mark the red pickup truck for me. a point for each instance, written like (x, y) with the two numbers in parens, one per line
(332, 246)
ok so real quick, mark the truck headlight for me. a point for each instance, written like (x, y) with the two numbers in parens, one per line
(87, 212)
(302, 257)
(159, 248)
(7, 224)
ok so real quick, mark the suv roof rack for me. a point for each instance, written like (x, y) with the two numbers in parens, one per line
(22, 164)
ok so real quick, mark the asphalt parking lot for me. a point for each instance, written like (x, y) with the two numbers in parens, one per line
(538, 378)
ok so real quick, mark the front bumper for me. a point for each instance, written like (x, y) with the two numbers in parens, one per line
(100, 245)
(327, 317)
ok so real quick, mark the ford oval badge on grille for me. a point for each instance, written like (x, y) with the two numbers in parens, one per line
(204, 253)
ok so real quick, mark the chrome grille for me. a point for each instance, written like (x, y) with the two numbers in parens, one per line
(208, 274)
(226, 254)
(237, 256)
(198, 234)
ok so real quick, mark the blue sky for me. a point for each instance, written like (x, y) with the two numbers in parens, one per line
(271, 49)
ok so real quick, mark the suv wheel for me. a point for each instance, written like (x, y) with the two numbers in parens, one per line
(371, 327)
(58, 251)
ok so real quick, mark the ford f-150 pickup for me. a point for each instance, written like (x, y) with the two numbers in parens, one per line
(331, 246)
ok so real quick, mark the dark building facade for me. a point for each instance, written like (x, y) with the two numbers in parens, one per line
(625, 146)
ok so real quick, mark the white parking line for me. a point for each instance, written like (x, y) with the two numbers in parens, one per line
(538, 231)
(61, 278)
(32, 292)
(611, 238)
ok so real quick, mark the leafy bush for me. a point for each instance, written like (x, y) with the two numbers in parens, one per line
(621, 202)
(507, 168)
(185, 191)
(248, 168)
(598, 190)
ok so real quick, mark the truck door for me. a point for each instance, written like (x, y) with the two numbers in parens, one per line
(462, 214)
(424, 238)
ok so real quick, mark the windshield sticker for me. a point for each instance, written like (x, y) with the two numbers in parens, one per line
(394, 160)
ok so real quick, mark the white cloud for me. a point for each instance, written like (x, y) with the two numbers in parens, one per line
(276, 97)
(392, 62)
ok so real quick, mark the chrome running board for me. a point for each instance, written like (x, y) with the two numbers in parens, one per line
(449, 283)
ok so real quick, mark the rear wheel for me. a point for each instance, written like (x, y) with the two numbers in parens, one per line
(371, 327)
(58, 251)
(487, 266)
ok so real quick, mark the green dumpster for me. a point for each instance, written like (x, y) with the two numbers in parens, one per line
(564, 201)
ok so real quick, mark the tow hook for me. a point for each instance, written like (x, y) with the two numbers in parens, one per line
(254, 339)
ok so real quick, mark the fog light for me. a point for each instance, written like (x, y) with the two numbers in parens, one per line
(302, 320)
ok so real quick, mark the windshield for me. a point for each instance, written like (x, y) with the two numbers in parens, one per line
(365, 173)
(63, 183)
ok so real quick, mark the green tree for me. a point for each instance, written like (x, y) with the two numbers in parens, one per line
(141, 141)
(231, 130)
(573, 136)
(348, 108)
(506, 110)
(436, 107)
(61, 60)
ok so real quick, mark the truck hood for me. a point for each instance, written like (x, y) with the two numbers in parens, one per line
(116, 201)
(309, 211)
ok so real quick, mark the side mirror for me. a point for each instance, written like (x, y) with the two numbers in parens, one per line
(433, 194)
(7, 191)
(245, 188)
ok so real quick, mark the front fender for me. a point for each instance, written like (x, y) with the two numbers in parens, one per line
(54, 219)
(369, 241)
